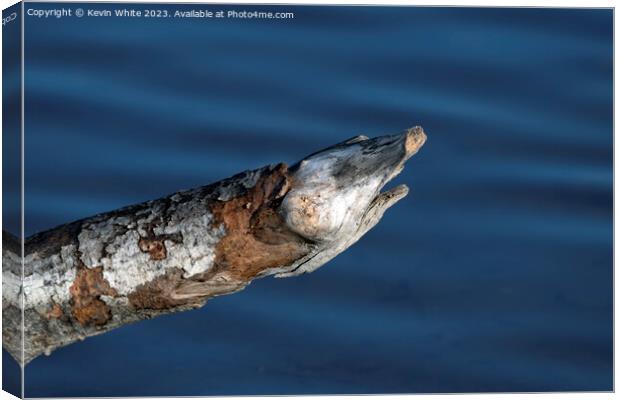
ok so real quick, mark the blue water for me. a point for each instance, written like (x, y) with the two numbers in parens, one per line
(494, 274)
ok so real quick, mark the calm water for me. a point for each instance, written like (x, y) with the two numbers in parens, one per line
(494, 274)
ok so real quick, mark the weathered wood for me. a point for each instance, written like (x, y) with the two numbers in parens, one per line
(172, 254)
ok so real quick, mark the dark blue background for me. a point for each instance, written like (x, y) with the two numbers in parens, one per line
(494, 274)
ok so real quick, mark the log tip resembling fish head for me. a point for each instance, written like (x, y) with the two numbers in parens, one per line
(336, 197)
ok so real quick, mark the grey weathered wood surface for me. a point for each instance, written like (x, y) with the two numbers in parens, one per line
(173, 254)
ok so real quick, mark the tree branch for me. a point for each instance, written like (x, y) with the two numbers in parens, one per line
(173, 254)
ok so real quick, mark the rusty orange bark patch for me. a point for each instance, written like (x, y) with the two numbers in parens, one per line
(157, 294)
(155, 247)
(154, 244)
(256, 236)
(55, 312)
(87, 288)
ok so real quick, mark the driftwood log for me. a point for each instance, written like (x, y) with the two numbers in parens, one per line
(172, 254)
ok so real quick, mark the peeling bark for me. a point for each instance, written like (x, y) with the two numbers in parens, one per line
(173, 254)
(86, 305)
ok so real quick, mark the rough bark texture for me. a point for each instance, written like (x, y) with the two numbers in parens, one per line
(174, 253)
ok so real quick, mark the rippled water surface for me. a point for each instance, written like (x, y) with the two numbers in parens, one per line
(494, 274)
